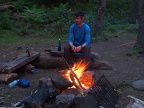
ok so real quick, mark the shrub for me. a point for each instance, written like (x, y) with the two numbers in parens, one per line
(5, 21)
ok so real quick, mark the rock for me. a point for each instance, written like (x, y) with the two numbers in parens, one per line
(63, 100)
(139, 84)
(88, 101)
(94, 55)
(44, 80)
(60, 82)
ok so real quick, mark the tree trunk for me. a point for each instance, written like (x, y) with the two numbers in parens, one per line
(140, 37)
(99, 17)
(134, 11)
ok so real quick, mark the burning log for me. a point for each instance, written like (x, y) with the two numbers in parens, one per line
(73, 76)
(75, 84)
(53, 92)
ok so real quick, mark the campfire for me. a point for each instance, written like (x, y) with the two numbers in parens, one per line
(86, 91)
(82, 80)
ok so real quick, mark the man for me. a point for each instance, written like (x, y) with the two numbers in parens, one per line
(78, 39)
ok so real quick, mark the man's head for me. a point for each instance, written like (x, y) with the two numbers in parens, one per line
(79, 17)
(79, 14)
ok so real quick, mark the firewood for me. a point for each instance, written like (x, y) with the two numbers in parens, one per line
(3, 68)
(7, 78)
(75, 84)
(20, 62)
(44, 92)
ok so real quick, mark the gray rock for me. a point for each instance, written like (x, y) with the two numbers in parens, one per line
(139, 84)
(88, 101)
(60, 82)
(63, 100)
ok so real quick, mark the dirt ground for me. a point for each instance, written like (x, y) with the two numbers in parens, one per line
(126, 69)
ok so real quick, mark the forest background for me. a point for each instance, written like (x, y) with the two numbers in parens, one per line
(48, 20)
(38, 24)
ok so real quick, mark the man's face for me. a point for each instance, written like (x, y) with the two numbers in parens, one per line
(79, 19)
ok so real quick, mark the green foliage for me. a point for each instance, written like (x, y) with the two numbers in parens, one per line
(21, 4)
(34, 14)
(102, 37)
(59, 19)
(118, 8)
(132, 28)
(52, 20)
(136, 50)
(8, 37)
(115, 27)
(89, 19)
(5, 21)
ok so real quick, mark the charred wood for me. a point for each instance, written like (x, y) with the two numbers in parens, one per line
(43, 93)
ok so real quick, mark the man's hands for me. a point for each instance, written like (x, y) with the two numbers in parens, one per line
(76, 49)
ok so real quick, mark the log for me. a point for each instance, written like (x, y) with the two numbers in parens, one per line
(94, 55)
(6, 7)
(47, 61)
(3, 67)
(7, 78)
(45, 91)
(19, 62)
(25, 68)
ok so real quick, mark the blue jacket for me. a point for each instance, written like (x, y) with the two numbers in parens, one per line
(79, 35)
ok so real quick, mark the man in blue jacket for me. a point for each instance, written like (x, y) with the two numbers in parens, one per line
(78, 39)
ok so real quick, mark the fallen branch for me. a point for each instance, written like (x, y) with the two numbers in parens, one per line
(128, 43)
(6, 7)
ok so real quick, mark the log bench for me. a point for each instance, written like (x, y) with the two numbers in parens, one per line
(17, 63)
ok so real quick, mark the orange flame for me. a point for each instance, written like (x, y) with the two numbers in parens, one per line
(85, 78)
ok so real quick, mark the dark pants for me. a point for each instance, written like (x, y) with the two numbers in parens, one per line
(85, 51)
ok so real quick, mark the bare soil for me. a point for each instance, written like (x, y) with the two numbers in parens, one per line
(126, 69)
